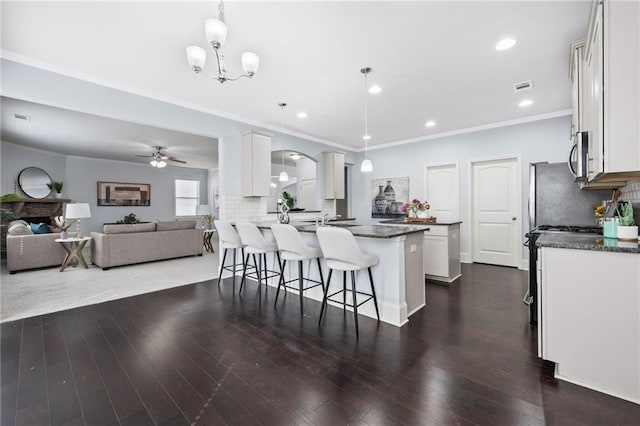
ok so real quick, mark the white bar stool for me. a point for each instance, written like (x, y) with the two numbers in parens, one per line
(292, 247)
(342, 252)
(230, 240)
(255, 243)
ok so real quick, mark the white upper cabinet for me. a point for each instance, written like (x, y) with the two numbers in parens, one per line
(612, 60)
(333, 176)
(256, 165)
(577, 74)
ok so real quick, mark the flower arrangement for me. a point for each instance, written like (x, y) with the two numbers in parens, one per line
(415, 206)
(62, 224)
(208, 219)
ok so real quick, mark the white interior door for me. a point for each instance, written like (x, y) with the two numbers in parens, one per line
(443, 191)
(496, 195)
(307, 194)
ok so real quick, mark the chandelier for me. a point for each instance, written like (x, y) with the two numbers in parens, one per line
(216, 31)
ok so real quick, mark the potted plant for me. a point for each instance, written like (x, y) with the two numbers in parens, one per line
(207, 219)
(288, 200)
(129, 219)
(62, 225)
(56, 187)
(416, 208)
(627, 230)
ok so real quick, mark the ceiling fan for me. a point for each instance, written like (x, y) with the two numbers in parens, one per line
(159, 158)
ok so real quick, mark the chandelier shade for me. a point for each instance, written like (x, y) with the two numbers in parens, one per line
(216, 31)
(250, 62)
(197, 57)
(366, 165)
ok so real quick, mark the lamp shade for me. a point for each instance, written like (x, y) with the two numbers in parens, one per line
(366, 166)
(197, 57)
(216, 31)
(77, 211)
(250, 62)
(202, 209)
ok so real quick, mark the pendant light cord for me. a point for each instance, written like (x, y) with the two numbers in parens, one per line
(366, 120)
(282, 105)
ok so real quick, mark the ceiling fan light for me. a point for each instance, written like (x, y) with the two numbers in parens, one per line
(250, 62)
(153, 163)
(284, 177)
(366, 166)
(197, 57)
(161, 164)
(216, 31)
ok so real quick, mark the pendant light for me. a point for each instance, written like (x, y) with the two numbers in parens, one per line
(366, 165)
(284, 177)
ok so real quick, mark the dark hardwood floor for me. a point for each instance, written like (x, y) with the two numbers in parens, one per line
(200, 355)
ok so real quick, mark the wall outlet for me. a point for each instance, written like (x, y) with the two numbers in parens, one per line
(413, 248)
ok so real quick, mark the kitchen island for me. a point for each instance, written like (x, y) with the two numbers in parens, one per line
(589, 311)
(398, 278)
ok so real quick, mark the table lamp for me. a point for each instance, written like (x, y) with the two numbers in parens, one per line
(203, 210)
(78, 211)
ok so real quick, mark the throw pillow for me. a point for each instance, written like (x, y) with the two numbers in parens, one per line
(23, 222)
(19, 229)
(40, 228)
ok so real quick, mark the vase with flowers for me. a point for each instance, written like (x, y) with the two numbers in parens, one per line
(416, 208)
(62, 225)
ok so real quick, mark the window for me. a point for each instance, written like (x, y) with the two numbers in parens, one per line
(187, 197)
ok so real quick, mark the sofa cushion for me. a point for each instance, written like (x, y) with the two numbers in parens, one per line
(176, 224)
(127, 228)
(40, 228)
(19, 229)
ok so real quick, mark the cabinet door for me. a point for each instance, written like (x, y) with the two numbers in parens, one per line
(261, 165)
(595, 65)
(338, 176)
(436, 255)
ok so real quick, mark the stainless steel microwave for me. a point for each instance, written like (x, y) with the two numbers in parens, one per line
(579, 156)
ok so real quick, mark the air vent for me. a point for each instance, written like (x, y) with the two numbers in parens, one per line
(523, 86)
(22, 117)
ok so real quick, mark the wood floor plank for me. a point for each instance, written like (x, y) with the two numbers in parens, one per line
(205, 355)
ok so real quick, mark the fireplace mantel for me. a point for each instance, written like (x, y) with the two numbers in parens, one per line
(25, 208)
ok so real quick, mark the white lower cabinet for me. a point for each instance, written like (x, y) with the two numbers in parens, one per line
(442, 252)
(590, 318)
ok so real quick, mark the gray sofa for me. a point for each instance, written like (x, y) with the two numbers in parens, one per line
(33, 251)
(144, 242)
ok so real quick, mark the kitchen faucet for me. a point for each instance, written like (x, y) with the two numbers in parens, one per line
(325, 218)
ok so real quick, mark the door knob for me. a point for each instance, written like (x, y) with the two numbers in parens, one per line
(513, 218)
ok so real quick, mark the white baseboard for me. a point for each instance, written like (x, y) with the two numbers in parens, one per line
(525, 265)
(465, 257)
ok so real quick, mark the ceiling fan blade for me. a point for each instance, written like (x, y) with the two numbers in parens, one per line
(176, 160)
(144, 156)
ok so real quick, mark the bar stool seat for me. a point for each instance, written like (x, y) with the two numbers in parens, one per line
(342, 252)
(293, 248)
(255, 244)
(230, 240)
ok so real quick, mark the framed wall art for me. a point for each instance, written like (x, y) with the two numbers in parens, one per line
(124, 194)
(387, 197)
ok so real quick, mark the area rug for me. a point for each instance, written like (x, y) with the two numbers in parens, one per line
(31, 293)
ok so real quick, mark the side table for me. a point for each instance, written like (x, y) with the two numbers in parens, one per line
(206, 239)
(73, 247)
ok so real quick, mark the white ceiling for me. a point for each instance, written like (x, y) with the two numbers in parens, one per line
(433, 60)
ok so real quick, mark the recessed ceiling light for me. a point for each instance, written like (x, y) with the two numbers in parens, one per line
(294, 156)
(301, 114)
(430, 123)
(525, 103)
(505, 43)
(375, 90)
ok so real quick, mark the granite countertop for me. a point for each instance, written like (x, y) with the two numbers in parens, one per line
(367, 231)
(587, 242)
(401, 222)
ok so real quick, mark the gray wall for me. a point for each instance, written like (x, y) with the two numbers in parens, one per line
(80, 176)
(544, 140)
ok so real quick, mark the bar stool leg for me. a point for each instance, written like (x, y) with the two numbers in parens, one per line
(280, 280)
(244, 273)
(224, 256)
(266, 276)
(320, 272)
(324, 299)
(300, 285)
(344, 291)
(355, 302)
(258, 266)
(373, 292)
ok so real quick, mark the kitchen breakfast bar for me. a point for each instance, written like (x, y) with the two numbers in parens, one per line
(398, 278)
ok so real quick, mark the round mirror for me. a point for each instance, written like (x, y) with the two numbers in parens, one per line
(33, 182)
